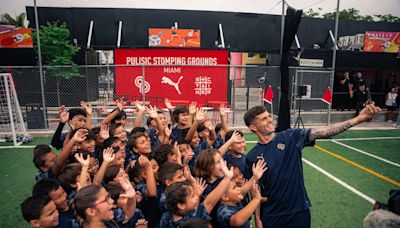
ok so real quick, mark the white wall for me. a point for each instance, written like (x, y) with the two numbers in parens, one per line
(369, 7)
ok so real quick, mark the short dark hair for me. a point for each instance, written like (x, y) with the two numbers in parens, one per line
(111, 172)
(45, 186)
(119, 116)
(68, 176)
(201, 127)
(394, 201)
(195, 223)
(76, 111)
(132, 139)
(137, 130)
(176, 194)
(252, 113)
(114, 189)
(38, 153)
(33, 206)
(161, 152)
(178, 110)
(230, 133)
(167, 171)
(113, 127)
(90, 136)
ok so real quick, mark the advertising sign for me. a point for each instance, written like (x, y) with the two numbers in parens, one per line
(382, 41)
(180, 38)
(15, 38)
(189, 75)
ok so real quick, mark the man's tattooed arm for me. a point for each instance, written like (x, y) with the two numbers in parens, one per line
(331, 130)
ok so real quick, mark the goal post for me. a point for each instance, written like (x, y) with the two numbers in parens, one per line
(11, 119)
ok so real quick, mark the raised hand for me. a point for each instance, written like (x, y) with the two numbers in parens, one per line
(104, 131)
(129, 191)
(168, 104)
(87, 107)
(144, 161)
(168, 131)
(227, 172)
(201, 115)
(120, 104)
(368, 112)
(152, 111)
(84, 162)
(208, 124)
(255, 191)
(200, 186)
(192, 108)
(141, 223)
(188, 175)
(80, 135)
(108, 155)
(139, 106)
(236, 137)
(259, 168)
(63, 114)
(222, 110)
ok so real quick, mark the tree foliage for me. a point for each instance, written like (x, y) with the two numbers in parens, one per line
(351, 14)
(18, 21)
(57, 49)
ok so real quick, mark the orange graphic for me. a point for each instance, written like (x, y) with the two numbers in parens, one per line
(17, 38)
(159, 37)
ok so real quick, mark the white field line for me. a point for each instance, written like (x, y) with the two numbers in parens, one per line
(348, 139)
(344, 184)
(366, 153)
(16, 147)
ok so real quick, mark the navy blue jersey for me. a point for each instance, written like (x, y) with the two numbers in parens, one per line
(283, 181)
(179, 133)
(153, 135)
(167, 219)
(41, 175)
(152, 207)
(239, 162)
(67, 220)
(225, 213)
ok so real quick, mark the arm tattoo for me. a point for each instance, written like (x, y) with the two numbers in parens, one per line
(331, 130)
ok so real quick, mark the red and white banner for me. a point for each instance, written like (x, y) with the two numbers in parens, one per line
(192, 76)
(382, 41)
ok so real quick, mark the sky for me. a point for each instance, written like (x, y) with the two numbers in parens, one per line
(366, 7)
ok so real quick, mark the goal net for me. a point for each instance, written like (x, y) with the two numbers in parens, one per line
(12, 126)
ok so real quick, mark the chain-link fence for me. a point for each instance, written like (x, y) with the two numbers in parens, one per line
(238, 87)
(309, 85)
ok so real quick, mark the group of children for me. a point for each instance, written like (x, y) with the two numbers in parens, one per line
(178, 173)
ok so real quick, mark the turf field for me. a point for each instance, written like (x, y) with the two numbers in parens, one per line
(343, 176)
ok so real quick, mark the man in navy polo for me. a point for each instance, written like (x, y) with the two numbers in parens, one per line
(283, 183)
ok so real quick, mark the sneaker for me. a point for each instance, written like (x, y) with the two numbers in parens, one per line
(389, 121)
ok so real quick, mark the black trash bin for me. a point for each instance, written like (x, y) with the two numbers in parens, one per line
(34, 116)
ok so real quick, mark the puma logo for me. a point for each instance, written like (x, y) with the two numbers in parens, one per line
(168, 81)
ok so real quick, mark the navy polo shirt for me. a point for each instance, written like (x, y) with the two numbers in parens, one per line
(239, 162)
(283, 181)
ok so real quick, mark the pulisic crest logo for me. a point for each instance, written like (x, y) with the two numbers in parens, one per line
(281, 146)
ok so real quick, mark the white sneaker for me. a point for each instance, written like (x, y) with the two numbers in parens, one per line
(389, 121)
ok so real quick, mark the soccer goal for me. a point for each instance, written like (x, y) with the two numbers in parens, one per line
(12, 126)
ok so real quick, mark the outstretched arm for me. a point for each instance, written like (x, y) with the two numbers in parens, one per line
(324, 132)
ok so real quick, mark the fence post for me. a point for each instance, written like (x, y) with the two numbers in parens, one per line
(40, 65)
(233, 96)
(143, 84)
(331, 87)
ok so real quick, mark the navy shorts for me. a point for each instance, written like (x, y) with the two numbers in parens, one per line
(301, 219)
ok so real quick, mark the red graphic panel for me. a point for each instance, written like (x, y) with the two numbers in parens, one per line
(185, 75)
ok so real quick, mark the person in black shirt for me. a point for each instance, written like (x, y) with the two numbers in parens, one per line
(343, 92)
(360, 97)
